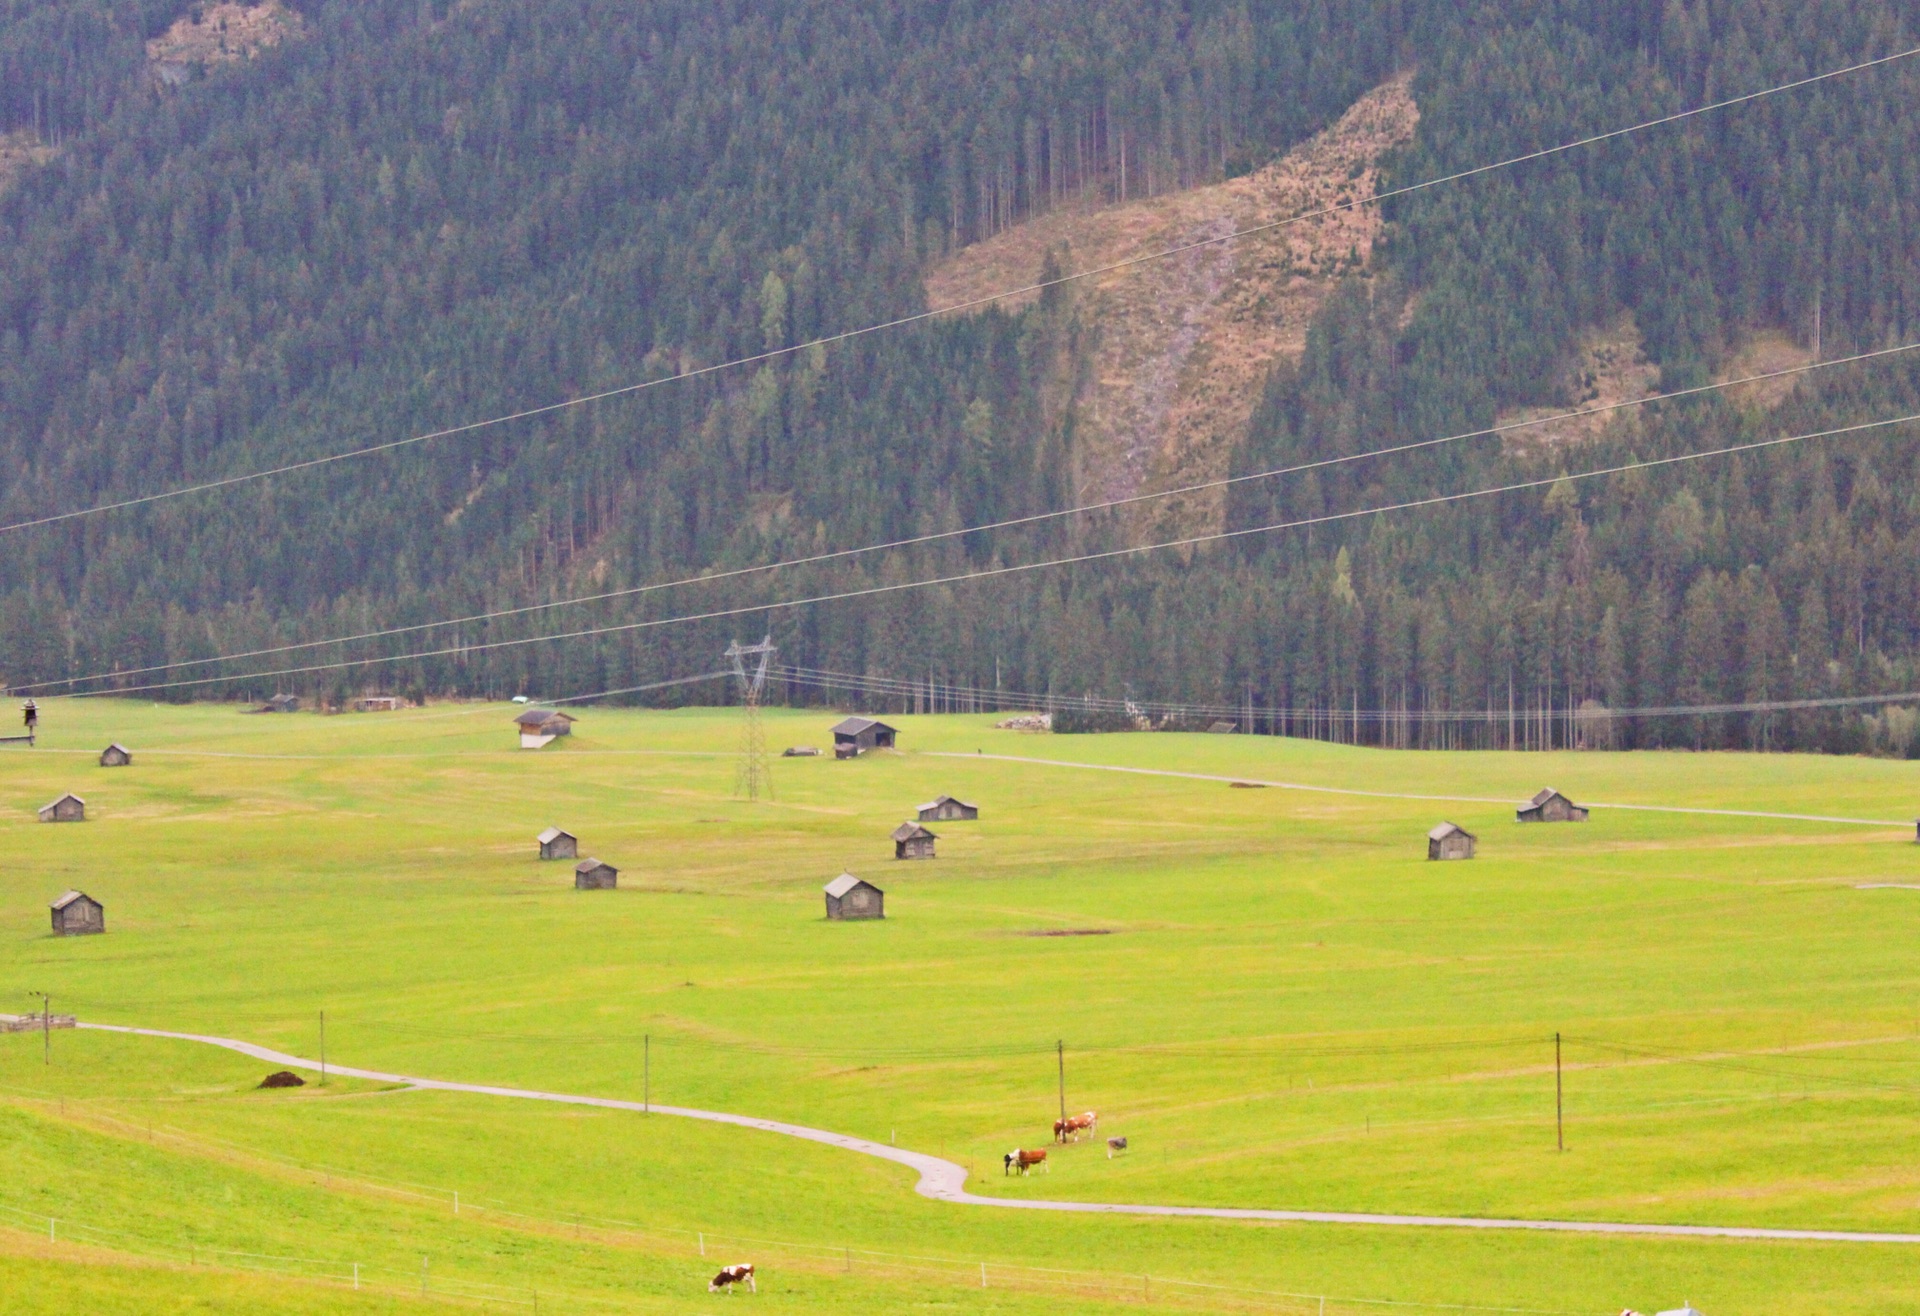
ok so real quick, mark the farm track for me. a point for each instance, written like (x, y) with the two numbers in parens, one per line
(944, 1181)
(1399, 795)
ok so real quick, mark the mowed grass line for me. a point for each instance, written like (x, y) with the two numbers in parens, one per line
(380, 867)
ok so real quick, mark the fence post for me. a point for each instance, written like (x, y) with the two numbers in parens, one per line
(703, 1244)
(356, 1277)
(456, 1201)
(423, 1277)
(53, 1227)
(983, 1274)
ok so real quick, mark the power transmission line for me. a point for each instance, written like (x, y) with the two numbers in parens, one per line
(816, 559)
(984, 573)
(986, 299)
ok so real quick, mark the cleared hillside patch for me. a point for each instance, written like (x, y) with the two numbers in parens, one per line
(1182, 346)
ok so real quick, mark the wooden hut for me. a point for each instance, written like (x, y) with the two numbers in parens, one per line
(593, 875)
(115, 755)
(68, 808)
(857, 735)
(849, 897)
(1450, 841)
(540, 726)
(1550, 806)
(77, 914)
(556, 844)
(912, 841)
(948, 809)
(282, 704)
(379, 704)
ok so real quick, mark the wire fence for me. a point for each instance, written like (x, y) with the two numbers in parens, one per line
(720, 1248)
(356, 1275)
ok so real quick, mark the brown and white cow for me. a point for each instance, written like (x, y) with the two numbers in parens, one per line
(1074, 1125)
(1022, 1160)
(739, 1273)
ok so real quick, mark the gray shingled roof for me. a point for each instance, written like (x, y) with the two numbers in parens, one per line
(853, 726)
(72, 896)
(1446, 829)
(843, 884)
(908, 831)
(553, 834)
(535, 716)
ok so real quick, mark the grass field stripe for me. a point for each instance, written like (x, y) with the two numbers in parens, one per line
(944, 1181)
(1397, 795)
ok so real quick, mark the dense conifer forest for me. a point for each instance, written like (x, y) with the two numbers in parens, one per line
(415, 214)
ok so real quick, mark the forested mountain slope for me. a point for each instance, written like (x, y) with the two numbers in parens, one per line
(418, 214)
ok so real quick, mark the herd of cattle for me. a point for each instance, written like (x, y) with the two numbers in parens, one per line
(1072, 1128)
(1020, 1159)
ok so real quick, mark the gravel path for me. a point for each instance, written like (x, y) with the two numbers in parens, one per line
(944, 1181)
(1396, 795)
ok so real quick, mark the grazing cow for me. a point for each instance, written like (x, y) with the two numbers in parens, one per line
(1022, 1160)
(740, 1273)
(1073, 1126)
(1059, 1130)
(1115, 1145)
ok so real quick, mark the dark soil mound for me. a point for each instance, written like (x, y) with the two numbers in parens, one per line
(286, 1078)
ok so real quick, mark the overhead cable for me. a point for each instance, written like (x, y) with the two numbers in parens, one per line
(1020, 568)
(815, 559)
(985, 299)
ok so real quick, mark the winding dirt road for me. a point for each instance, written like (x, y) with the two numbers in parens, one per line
(944, 1181)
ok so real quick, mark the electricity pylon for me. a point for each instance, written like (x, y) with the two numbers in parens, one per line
(753, 776)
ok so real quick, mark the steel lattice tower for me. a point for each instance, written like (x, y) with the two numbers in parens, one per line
(754, 775)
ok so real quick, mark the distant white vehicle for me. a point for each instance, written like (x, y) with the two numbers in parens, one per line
(519, 699)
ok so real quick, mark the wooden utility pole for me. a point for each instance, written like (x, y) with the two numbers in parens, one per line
(1061, 1048)
(1559, 1104)
(46, 1028)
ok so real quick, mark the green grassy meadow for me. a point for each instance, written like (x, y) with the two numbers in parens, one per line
(1288, 1007)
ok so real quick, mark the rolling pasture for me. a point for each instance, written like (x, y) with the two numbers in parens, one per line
(1269, 991)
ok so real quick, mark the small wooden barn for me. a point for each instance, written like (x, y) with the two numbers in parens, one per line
(594, 875)
(76, 914)
(282, 704)
(1450, 841)
(115, 755)
(539, 726)
(850, 897)
(857, 735)
(912, 841)
(556, 844)
(1550, 806)
(68, 808)
(379, 704)
(948, 809)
